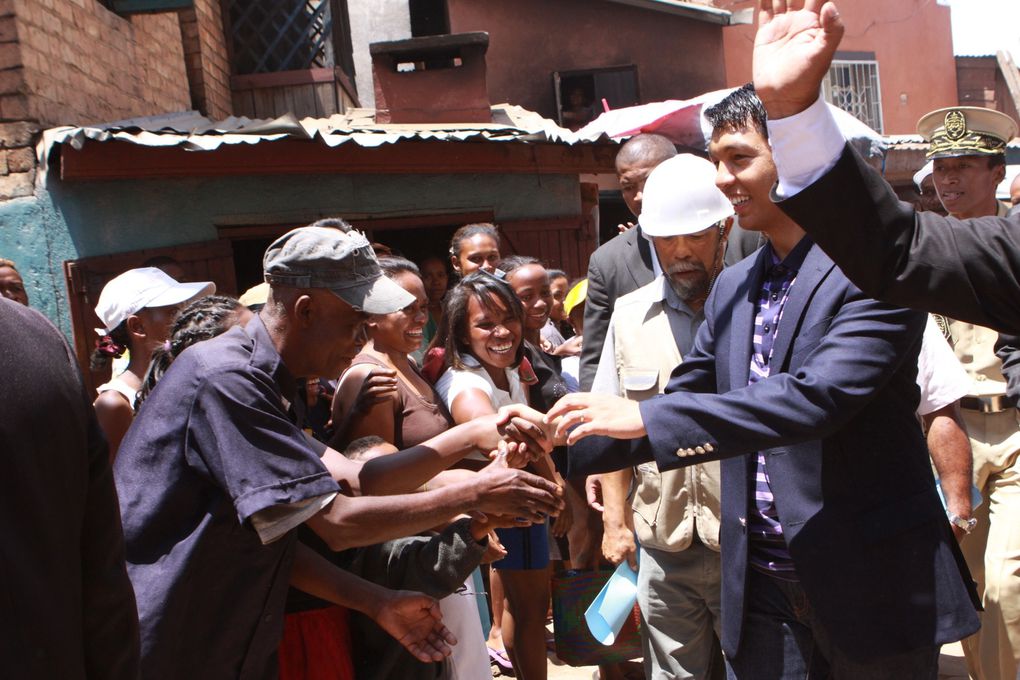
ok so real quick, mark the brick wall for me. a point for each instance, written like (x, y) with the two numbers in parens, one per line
(980, 82)
(84, 64)
(205, 52)
(17, 156)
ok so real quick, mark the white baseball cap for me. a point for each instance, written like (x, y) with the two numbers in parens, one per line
(923, 174)
(681, 198)
(136, 289)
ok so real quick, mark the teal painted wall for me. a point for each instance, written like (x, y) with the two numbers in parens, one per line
(66, 221)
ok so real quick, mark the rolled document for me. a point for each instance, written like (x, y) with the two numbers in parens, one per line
(613, 605)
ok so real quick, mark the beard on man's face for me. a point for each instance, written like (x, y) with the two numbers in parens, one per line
(688, 287)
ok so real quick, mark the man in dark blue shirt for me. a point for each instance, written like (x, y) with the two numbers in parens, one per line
(215, 473)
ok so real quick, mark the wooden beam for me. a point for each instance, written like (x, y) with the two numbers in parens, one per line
(123, 160)
(283, 78)
(1010, 75)
(362, 222)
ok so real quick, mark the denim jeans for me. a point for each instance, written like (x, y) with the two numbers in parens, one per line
(782, 640)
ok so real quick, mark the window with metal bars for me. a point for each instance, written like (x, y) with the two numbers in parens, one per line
(268, 36)
(853, 85)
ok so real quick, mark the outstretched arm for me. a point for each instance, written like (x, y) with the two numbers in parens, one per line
(966, 269)
(413, 619)
(362, 520)
(855, 356)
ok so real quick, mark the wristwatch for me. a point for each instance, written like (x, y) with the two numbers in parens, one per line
(967, 525)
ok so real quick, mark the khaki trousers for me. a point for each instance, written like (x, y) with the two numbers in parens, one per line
(679, 596)
(992, 550)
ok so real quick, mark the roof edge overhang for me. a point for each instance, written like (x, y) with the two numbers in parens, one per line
(688, 10)
(119, 160)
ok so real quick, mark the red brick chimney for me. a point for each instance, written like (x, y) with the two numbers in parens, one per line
(433, 79)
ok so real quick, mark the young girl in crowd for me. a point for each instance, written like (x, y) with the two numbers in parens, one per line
(137, 309)
(554, 333)
(482, 336)
(436, 280)
(474, 247)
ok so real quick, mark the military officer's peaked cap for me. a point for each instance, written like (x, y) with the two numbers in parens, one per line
(966, 131)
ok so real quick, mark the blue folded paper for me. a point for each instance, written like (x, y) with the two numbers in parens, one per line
(975, 495)
(614, 603)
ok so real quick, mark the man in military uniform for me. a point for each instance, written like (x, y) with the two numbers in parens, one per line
(967, 147)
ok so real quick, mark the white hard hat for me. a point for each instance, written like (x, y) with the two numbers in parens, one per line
(137, 289)
(680, 197)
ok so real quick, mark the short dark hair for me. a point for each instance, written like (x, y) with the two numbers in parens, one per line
(393, 265)
(646, 147)
(508, 265)
(484, 287)
(557, 274)
(471, 230)
(359, 447)
(739, 110)
(995, 160)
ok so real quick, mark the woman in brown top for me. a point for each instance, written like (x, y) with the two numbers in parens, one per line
(413, 412)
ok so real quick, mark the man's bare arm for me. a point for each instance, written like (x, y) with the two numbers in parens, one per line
(364, 520)
(412, 619)
(950, 451)
(617, 518)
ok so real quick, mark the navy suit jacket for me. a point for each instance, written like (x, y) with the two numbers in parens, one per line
(847, 460)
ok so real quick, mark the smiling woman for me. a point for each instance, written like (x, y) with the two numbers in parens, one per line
(483, 337)
(413, 412)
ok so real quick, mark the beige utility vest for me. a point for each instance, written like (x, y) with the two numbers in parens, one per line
(668, 507)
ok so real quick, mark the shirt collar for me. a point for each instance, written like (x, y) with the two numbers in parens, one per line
(266, 358)
(792, 262)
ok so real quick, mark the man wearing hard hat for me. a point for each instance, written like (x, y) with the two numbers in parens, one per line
(674, 514)
(967, 148)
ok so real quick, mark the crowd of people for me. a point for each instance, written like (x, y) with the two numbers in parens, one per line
(369, 464)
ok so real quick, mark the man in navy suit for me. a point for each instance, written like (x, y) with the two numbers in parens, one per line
(837, 557)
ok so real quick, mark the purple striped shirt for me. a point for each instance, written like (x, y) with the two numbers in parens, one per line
(768, 551)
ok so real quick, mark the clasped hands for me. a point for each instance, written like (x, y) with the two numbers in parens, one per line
(528, 434)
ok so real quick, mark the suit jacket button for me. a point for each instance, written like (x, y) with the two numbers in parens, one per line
(709, 447)
(680, 452)
(699, 449)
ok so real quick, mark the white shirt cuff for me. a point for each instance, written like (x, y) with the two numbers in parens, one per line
(805, 146)
(275, 521)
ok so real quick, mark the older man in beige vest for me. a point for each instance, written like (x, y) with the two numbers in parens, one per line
(675, 515)
(967, 147)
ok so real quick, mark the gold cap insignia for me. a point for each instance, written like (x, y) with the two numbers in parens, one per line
(966, 131)
(956, 125)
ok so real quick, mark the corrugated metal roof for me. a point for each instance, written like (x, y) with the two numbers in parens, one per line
(193, 131)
